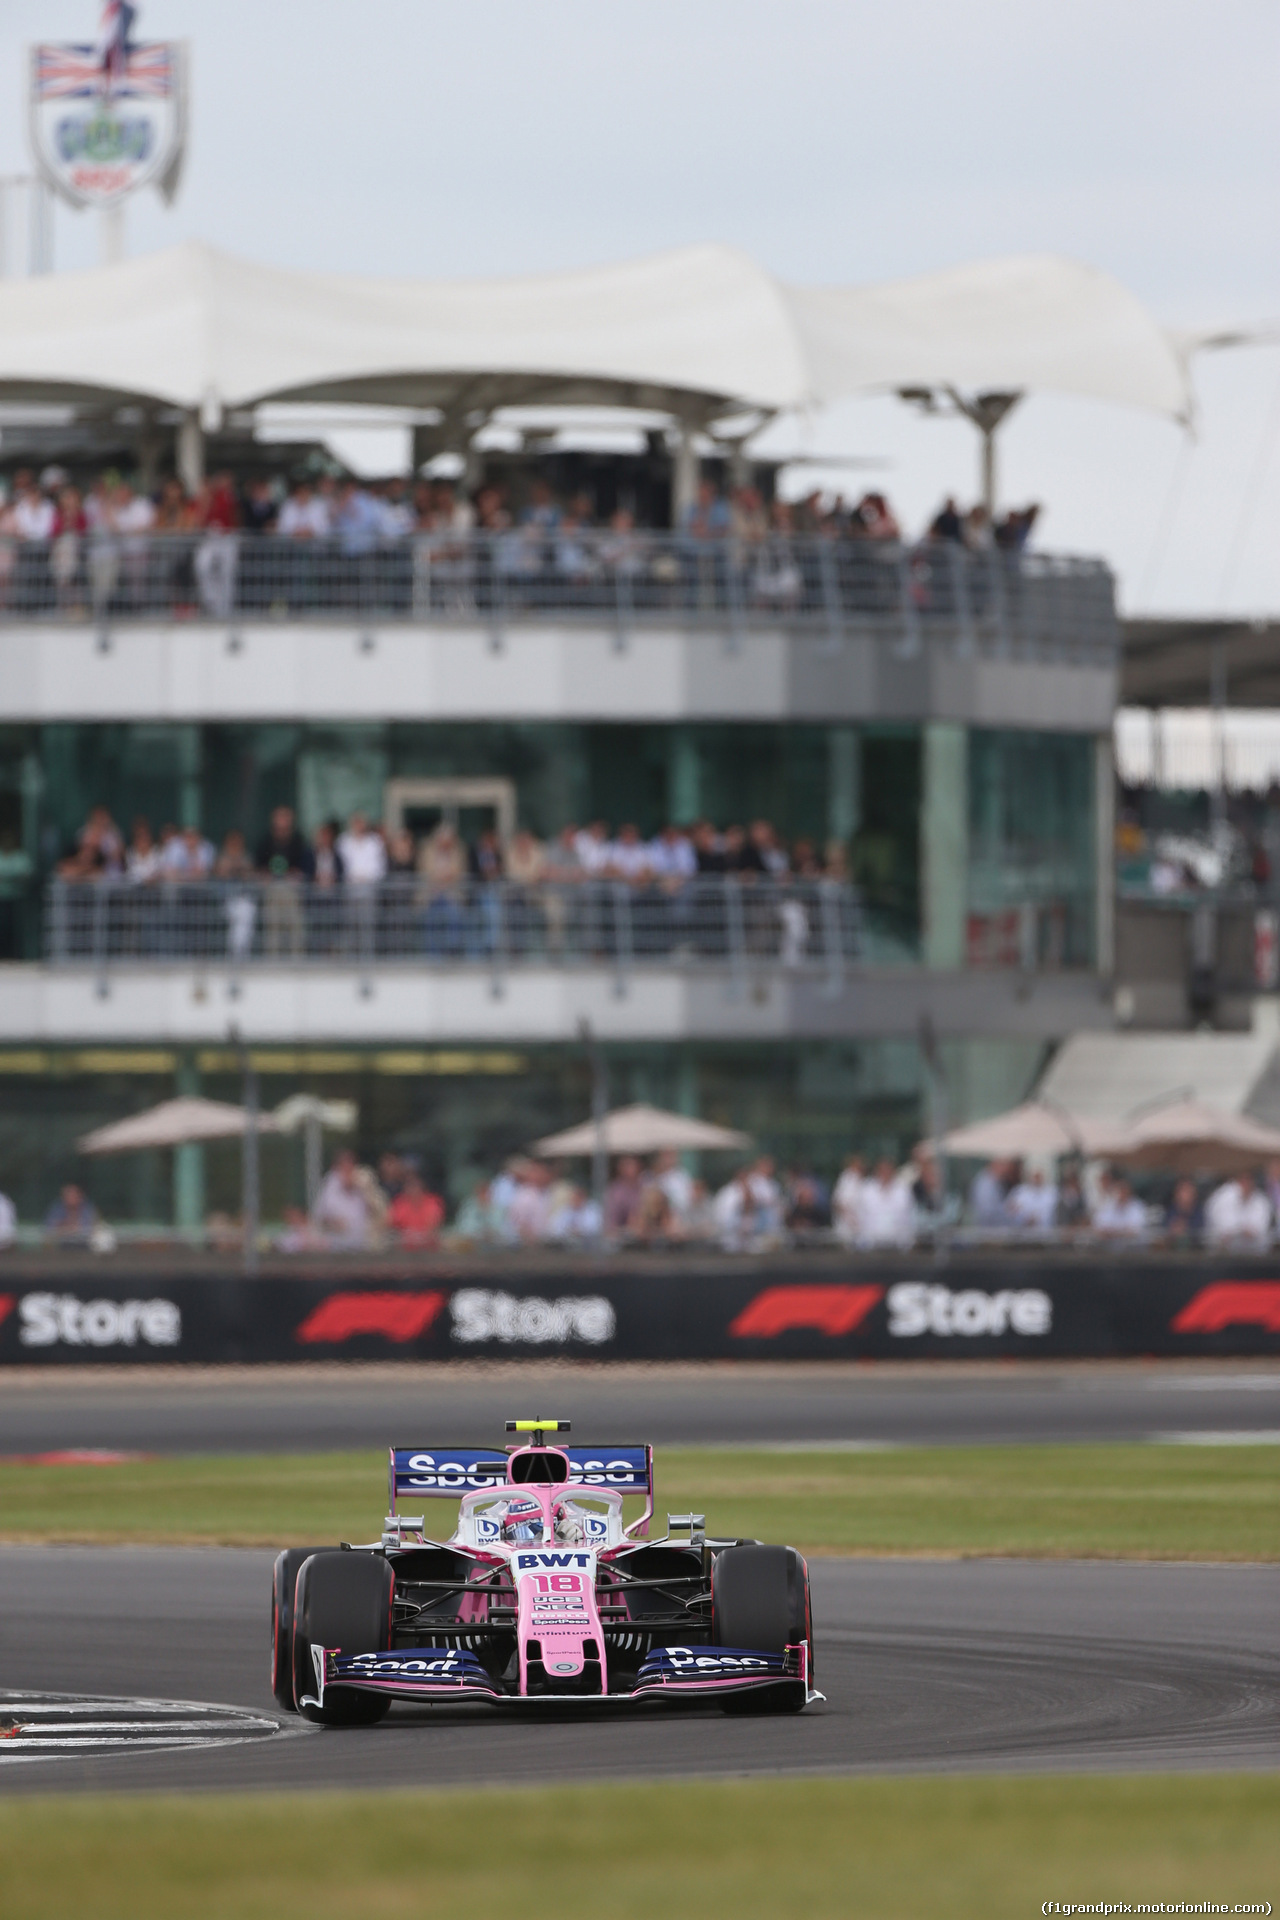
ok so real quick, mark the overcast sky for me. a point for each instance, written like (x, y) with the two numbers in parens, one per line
(837, 143)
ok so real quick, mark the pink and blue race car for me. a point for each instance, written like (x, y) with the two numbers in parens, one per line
(542, 1593)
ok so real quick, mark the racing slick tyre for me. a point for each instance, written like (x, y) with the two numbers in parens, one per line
(341, 1600)
(284, 1578)
(760, 1599)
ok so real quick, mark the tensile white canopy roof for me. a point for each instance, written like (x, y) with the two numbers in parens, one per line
(696, 332)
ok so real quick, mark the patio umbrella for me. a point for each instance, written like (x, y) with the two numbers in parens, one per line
(641, 1129)
(1034, 1127)
(308, 1114)
(1188, 1136)
(173, 1124)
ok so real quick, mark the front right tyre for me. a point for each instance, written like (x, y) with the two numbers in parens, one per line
(760, 1601)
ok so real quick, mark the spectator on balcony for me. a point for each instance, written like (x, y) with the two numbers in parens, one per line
(988, 1197)
(342, 1213)
(978, 535)
(142, 863)
(676, 1184)
(1033, 1204)
(285, 860)
(442, 865)
(886, 1215)
(217, 559)
(874, 519)
(576, 1221)
(261, 508)
(191, 857)
(234, 869)
(72, 1219)
(66, 555)
(628, 857)
(416, 1215)
(1013, 533)
(1184, 1216)
(1119, 1214)
(402, 854)
(807, 1207)
(99, 852)
(766, 1197)
(8, 1222)
(324, 896)
(947, 524)
(363, 853)
(622, 1197)
(1238, 1214)
(708, 515)
(33, 516)
(304, 515)
(846, 1200)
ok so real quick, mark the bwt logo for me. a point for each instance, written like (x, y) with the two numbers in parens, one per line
(60, 1319)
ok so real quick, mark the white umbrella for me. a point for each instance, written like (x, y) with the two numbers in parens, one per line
(1032, 1128)
(641, 1130)
(173, 1124)
(1189, 1136)
(308, 1114)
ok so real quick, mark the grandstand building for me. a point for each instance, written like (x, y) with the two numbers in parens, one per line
(933, 724)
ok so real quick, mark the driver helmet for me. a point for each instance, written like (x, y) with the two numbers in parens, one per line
(522, 1523)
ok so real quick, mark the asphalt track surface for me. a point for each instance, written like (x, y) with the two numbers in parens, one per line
(928, 1666)
(299, 1409)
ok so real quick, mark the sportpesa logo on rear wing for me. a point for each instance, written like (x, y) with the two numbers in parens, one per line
(444, 1472)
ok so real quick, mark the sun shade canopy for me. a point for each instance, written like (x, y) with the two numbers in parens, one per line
(696, 331)
(172, 1124)
(1032, 1128)
(641, 1130)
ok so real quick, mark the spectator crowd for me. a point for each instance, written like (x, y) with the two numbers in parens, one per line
(657, 1202)
(116, 547)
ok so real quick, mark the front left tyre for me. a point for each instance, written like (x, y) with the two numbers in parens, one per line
(284, 1578)
(342, 1601)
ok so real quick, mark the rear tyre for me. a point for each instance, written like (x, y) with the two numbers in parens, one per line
(760, 1600)
(341, 1600)
(284, 1578)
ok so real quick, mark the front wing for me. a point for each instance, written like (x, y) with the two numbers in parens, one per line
(668, 1674)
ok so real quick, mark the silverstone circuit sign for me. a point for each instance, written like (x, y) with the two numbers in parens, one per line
(910, 1310)
(109, 116)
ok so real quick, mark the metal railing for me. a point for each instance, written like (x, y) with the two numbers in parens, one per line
(712, 921)
(1035, 605)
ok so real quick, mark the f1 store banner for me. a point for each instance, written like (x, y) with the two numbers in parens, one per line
(904, 1311)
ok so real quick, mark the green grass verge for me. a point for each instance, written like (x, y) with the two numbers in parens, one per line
(1120, 1502)
(986, 1848)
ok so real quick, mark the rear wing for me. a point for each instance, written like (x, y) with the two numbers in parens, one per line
(444, 1473)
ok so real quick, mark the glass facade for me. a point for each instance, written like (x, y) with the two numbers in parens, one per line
(1032, 863)
(858, 786)
(465, 1110)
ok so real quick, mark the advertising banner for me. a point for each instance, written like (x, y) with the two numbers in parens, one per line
(906, 1311)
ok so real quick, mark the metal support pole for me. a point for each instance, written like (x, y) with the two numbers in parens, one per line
(249, 1165)
(111, 235)
(599, 1109)
(312, 1158)
(684, 473)
(1218, 702)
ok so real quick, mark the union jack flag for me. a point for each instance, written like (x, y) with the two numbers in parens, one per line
(76, 73)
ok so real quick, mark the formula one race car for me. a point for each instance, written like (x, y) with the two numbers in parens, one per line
(540, 1594)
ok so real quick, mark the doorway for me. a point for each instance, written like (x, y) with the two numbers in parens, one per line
(469, 806)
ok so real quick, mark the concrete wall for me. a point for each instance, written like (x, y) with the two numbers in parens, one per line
(410, 1006)
(295, 672)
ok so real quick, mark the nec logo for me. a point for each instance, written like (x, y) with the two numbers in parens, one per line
(396, 1316)
(1231, 1303)
(551, 1562)
(826, 1309)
